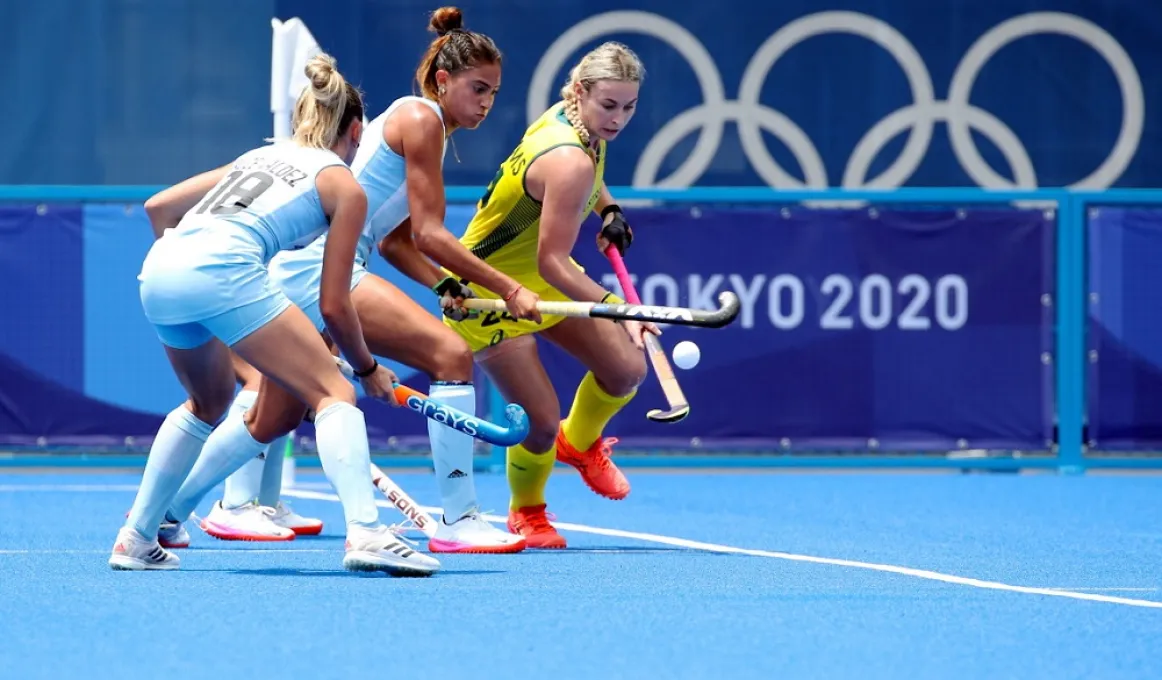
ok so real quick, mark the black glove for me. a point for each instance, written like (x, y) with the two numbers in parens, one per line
(614, 229)
(449, 290)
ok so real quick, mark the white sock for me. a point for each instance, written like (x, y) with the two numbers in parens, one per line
(228, 448)
(270, 487)
(243, 486)
(174, 450)
(341, 437)
(452, 452)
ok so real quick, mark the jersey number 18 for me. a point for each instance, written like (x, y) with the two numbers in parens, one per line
(236, 193)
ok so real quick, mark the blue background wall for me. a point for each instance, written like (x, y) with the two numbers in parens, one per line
(902, 327)
(150, 92)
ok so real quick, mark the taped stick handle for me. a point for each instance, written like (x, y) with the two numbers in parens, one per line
(676, 400)
(614, 256)
(677, 316)
(559, 308)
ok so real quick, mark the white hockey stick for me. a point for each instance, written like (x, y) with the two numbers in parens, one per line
(403, 502)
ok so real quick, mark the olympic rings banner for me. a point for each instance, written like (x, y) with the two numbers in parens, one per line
(846, 93)
(802, 94)
(901, 329)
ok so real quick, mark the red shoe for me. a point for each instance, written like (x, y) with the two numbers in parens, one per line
(533, 523)
(599, 472)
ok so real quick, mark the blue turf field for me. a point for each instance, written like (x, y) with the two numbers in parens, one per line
(614, 606)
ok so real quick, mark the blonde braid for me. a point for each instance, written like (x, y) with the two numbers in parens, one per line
(573, 115)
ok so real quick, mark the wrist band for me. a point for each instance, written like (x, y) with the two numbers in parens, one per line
(510, 296)
(612, 207)
(368, 372)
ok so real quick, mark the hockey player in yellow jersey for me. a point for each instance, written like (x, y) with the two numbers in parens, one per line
(526, 225)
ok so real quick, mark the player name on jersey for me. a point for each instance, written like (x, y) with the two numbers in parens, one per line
(277, 168)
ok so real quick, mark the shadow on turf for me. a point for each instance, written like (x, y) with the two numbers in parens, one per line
(298, 542)
(320, 541)
(614, 549)
(338, 573)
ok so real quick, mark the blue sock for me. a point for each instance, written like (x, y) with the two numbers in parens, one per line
(174, 451)
(452, 451)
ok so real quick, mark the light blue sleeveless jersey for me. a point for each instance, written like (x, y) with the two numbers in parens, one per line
(213, 261)
(382, 174)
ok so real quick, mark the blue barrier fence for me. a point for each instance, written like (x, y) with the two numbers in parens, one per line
(1037, 418)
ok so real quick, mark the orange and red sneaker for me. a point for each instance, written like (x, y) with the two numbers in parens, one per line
(532, 522)
(597, 469)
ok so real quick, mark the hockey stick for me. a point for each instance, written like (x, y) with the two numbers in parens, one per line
(728, 309)
(515, 433)
(679, 408)
(403, 502)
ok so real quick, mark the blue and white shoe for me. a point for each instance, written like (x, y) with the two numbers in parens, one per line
(134, 552)
(173, 535)
(382, 549)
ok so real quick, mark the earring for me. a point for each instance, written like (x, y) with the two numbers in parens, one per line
(441, 90)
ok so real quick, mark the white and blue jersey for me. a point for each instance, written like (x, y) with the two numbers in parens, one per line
(382, 174)
(214, 262)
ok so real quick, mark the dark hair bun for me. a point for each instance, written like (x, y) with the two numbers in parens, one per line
(446, 19)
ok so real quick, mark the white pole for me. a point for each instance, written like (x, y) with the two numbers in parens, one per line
(291, 48)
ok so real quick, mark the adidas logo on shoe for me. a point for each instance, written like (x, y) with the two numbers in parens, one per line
(456, 474)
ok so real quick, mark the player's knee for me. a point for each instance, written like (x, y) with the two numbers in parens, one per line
(635, 371)
(624, 377)
(543, 426)
(540, 439)
(211, 406)
(268, 431)
(452, 360)
(342, 391)
(266, 427)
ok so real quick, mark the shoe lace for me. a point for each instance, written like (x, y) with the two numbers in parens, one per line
(472, 514)
(605, 448)
(398, 531)
(540, 521)
(482, 515)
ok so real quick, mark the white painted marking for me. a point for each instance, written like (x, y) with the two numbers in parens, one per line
(238, 551)
(870, 566)
(72, 488)
(1107, 590)
(1072, 594)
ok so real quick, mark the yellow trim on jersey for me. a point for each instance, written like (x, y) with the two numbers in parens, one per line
(505, 231)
